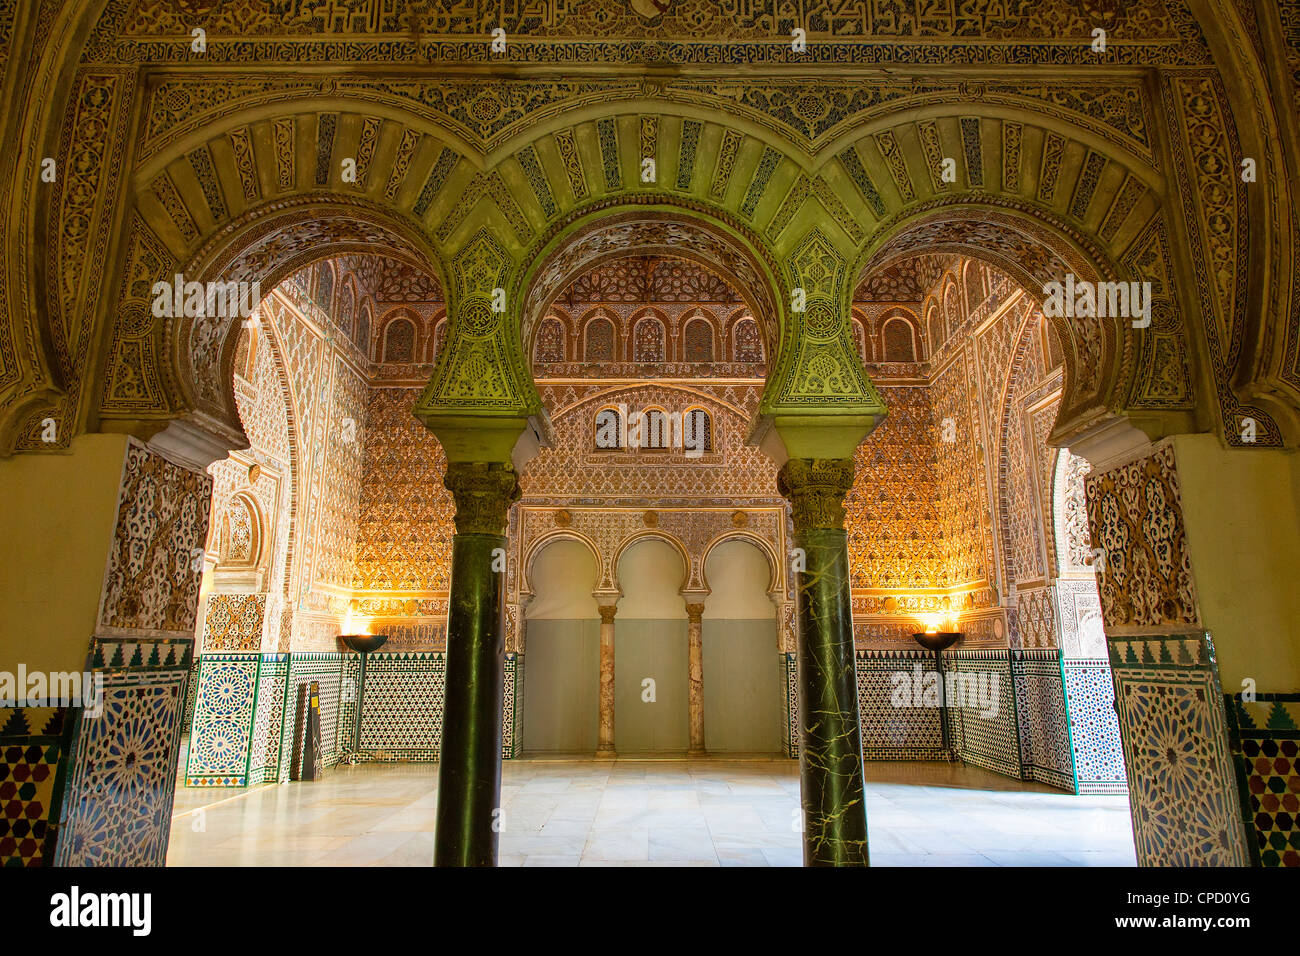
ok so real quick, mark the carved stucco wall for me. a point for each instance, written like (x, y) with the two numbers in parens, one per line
(934, 525)
(262, 472)
(952, 508)
(303, 398)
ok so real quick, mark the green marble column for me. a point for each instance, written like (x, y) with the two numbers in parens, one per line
(469, 772)
(830, 751)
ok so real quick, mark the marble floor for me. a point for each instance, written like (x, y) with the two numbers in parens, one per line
(650, 813)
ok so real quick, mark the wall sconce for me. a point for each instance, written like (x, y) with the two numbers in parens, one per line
(363, 644)
(938, 638)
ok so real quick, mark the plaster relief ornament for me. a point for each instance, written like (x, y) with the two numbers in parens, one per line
(650, 9)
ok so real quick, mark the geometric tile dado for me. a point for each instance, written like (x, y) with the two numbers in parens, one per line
(118, 803)
(1266, 750)
(1182, 785)
(1094, 727)
(32, 739)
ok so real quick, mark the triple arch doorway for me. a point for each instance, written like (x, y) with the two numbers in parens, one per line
(743, 685)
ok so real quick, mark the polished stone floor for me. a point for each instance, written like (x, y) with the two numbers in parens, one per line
(650, 813)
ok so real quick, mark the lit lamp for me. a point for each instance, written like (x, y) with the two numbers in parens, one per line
(363, 644)
(938, 638)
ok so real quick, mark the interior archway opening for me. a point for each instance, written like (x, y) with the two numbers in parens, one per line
(332, 520)
(955, 519)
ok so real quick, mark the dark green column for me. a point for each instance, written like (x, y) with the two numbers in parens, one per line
(830, 750)
(469, 772)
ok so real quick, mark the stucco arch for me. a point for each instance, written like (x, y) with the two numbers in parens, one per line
(689, 569)
(1102, 373)
(775, 582)
(662, 226)
(195, 417)
(538, 545)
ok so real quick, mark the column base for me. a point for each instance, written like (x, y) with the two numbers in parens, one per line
(606, 754)
(697, 753)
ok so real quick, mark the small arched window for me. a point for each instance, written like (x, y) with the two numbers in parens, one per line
(898, 343)
(439, 338)
(608, 429)
(698, 341)
(399, 341)
(347, 305)
(649, 429)
(648, 340)
(363, 331)
(598, 341)
(934, 325)
(749, 344)
(325, 286)
(697, 432)
(549, 345)
(860, 340)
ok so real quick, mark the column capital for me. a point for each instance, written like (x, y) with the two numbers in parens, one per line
(607, 613)
(816, 488)
(695, 612)
(483, 492)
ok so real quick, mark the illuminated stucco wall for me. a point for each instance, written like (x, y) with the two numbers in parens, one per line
(951, 510)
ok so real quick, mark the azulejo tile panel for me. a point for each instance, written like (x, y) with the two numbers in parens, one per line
(402, 708)
(1265, 736)
(890, 732)
(328, 669)
(244, 717)
(511, 732)
(166, 653)
(191, 697)
(32, 741)
(1182, 785)
(1041, 717)
(220, 737)
(268, 719)
(118, 803)
(791, 705)
(1094, 726)
(986, 732)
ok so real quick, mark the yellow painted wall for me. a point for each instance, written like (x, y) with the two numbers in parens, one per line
(56, 526)
(1242, 514)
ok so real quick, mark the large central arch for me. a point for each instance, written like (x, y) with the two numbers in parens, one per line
(657, 226)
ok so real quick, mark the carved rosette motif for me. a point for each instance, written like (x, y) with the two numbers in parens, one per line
(483, 493)
(816, 489)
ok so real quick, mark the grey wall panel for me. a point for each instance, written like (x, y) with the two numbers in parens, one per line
(743, 687)
(658, 650)
(561, 697)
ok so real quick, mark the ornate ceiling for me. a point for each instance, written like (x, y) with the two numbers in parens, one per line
(1120, 163)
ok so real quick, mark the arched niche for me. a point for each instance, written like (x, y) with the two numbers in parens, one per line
(561, 647)
(743, 676)
(562, 574)
(599, 339)
(651, 570)
(739, 575)
(898, 339)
